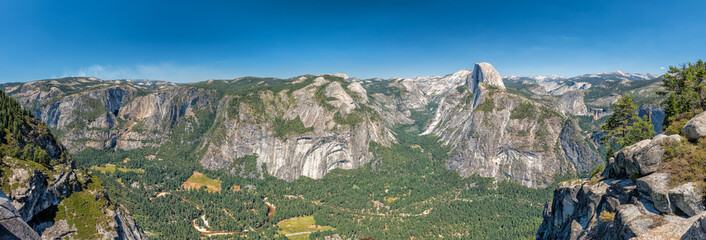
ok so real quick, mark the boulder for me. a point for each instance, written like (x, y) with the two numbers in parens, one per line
(695, 128)
(687, 198)
(11, 224)
(684, 199)
(654, 188)
(697, 230)
(639, 159)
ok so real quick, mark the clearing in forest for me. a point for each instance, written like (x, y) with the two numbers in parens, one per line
(300, 227)
(112, 168)
(198, 180)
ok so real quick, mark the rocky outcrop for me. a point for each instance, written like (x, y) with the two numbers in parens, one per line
(634, 198)
(697, 230)
(35, 189)
(695, 128)
(126, 226)
(32, 193)
(639, 159)
(611, 209)
(11, 224)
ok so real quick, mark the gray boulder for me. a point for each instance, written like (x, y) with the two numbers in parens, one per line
(695, 128)
(697, 231)
(11, 224)
(639, 159)
(687, 198)
(654, 188)
(684, 199)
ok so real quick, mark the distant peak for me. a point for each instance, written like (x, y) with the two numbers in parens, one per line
(485, 72)
(342, 75)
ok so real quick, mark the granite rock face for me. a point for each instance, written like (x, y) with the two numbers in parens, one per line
(342, 116)
(328, 143)
(695, 128)
(577, 149)
(339, 116)
(11, 224)
(613, 206)
(572, 103)
(436, 86)
(484, 73)
(498, 134)
(639, 159)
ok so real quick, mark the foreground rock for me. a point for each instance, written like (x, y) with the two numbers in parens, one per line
(697, 231)
(615, 206)
(11, 224)
(37, 190)
(639, 159)
(695, 128)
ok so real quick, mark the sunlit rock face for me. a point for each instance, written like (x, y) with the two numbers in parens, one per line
(498, 134)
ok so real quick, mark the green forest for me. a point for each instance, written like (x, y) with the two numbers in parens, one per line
(404, 191)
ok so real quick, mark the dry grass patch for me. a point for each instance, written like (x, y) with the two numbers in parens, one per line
(300, 224)
(111, 168)
(199, 180)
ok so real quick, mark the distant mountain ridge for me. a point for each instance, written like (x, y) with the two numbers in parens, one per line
(244, 116)
(617, 75)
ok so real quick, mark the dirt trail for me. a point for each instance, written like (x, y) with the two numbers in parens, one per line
(270, 214)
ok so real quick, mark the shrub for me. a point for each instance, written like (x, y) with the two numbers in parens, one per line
(686, 162)
(680, 120)
(350, 119)
(284, 128)
(461, 89)
(522, 111)
(486, 106)
(606, 216)
(597, 170)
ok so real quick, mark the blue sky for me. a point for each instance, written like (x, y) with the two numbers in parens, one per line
(186, 41)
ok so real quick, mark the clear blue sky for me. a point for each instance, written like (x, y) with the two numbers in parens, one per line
(186, 41)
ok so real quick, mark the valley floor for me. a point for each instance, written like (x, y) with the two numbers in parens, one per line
(405, 192)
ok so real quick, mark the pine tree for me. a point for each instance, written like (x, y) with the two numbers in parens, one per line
(686, 89)
(624, 127)
(640, 129)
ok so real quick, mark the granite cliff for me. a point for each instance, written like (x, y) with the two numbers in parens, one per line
(495, 133)
(38, 180)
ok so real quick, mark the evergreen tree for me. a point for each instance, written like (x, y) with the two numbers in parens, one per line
(686, 89)
(624, 127)
(640, 129)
